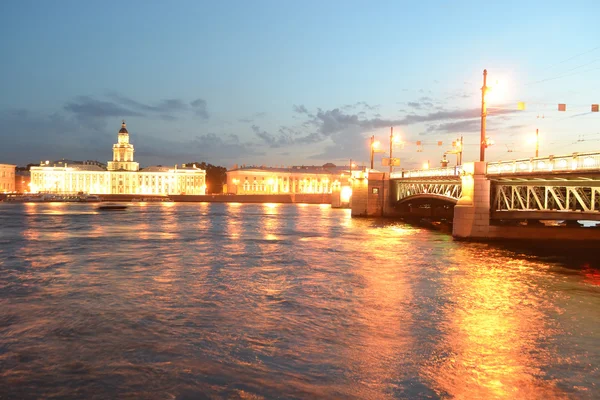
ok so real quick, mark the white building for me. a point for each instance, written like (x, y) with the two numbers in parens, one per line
(122, 176)
(299, 179)
(7, 178)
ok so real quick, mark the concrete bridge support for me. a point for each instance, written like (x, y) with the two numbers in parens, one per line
(472, 211)
(371, 196)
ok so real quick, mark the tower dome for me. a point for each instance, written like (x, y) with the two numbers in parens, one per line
(123, 128)
(123, 153)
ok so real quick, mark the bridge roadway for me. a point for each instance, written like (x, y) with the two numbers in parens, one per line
(545, 188)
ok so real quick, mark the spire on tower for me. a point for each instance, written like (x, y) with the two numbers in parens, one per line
(123, 128)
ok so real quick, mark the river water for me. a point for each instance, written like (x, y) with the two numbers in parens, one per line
(244, 301)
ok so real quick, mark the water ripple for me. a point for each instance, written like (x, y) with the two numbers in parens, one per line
(281, 301)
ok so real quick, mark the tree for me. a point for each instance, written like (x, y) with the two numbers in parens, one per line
(28, 167)
(216, 176)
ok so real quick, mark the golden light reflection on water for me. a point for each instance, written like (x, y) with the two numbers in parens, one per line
(385, 323)
(270, 206)
(326, 307)
(492, 334)
(271, 225)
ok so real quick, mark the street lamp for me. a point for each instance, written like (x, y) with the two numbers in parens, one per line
(535, 140)
(457, 145)
(537, 143)
(393, 139)
(483, 142)
(374, 147)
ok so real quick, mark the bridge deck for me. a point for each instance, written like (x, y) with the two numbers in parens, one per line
(545, 215)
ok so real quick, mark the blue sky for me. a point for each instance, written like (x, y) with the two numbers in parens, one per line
(290, 83)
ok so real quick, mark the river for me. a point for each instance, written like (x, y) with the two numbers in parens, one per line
(253, 301)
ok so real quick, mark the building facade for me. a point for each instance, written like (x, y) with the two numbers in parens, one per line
(7, 178)
(299, 179)
(122, 175)
(22, 181)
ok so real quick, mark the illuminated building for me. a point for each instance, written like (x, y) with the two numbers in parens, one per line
(122, 175)
(7, 178)
(324, 179)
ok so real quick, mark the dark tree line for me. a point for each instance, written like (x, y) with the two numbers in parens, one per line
(28, 167)
(216, 176)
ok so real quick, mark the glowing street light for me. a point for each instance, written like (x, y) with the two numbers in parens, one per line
(375, 145)
(537, 143)
(482, 141)
(393, 139)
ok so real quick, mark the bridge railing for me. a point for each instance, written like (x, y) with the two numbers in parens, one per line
(573, 162)
(428, 173)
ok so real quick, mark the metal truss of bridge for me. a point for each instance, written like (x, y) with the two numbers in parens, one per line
(555, 187)
(436, 183)
(562, 187)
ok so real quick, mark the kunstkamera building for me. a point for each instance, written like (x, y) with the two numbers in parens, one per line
(121, 176)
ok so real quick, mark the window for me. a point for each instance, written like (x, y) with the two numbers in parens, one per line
(375, 190)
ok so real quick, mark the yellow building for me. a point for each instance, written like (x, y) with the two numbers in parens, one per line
(7, 178)
(122, 176)
(300, 179)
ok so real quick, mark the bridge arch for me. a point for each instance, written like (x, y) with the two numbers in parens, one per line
(428, 196)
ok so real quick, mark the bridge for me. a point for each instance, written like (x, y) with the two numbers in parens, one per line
(485, 199)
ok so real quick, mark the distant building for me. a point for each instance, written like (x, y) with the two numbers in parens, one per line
(7, 178)
(22, 181)
(62, 162)
(121, 176)
(298, 179)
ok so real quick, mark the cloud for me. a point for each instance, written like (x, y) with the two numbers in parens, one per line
(346, 145)
(48, 137)
(469, 125)
(199, 106)
(224, 147)
(167, 117)
(93, 110)
(88, 107)
(339, 126)
(414, 104)
(360, 105)
(460, 95)
(284, 138)
(77, 136)
(300, 109)
(253, 117)
(163, 106)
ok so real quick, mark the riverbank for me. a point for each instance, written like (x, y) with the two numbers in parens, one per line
(308, 198)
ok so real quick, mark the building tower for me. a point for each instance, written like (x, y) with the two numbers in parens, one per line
(123, 153)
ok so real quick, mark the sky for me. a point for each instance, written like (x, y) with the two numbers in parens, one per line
(282, 83)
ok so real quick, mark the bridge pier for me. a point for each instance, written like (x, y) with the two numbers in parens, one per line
(472, 211)
(371, 195)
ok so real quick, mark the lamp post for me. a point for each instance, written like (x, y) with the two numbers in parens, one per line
(460, 152)
(391, 146)
(537, 143)
(482, 144)
(375, 145)
(372, 149)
